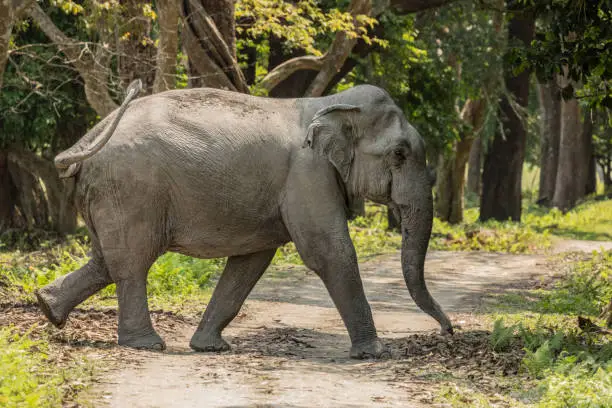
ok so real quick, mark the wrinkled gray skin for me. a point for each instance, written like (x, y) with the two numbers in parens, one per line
(210, 173)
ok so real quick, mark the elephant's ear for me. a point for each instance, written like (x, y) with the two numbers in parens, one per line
(331, 134)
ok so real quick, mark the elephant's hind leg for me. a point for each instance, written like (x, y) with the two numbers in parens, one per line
(129, 270)
(58, 298)
(238, 279)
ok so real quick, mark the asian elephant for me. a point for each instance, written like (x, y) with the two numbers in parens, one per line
(212, 173)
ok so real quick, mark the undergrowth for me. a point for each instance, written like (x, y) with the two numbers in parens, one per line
(29, 377)
(568, 349)
(174, 281)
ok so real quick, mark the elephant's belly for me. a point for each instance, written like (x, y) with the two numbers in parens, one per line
(203, 240)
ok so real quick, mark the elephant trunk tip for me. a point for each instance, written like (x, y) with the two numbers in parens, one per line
(447, 330)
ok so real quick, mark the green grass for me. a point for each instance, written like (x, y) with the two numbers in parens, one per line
(29, 377)
(570, 364)
(175, 281)
(564, 363)
(591, 220)
(583, 290)
(490, 236)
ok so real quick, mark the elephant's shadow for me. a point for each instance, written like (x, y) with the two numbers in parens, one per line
(464, 348)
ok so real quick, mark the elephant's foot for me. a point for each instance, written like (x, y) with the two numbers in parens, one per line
(208, 342)
(370, 349)
(48, 305)
(149, 341)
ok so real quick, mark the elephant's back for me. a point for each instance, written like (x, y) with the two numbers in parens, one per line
(215, 170)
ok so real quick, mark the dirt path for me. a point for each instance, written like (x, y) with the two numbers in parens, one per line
(290, 348)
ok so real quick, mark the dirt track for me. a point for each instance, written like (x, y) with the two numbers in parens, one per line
(290, 348)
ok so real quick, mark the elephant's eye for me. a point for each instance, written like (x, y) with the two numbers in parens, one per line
(399, 154)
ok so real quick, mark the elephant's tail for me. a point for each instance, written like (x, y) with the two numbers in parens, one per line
(68, 162)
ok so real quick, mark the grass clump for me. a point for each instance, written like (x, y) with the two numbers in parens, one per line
(490, 236)
(584, 289)
(174, 279)
(572, 367)
(591, 220)
(568, 352)
(28, 376)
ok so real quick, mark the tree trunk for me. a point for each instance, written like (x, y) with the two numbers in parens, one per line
(7, 193)
(503, 167)
(550, 129)
(167, 17)
(66, 222)
(210, 40)
(587, 139)
(62, 213)
(6, 28)
(26, 196)
(572, 172)
(136, 52)
(450, 180)
(474, 167)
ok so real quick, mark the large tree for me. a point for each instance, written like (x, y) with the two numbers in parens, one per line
(550, 131)
(503, 167)
(41, 88)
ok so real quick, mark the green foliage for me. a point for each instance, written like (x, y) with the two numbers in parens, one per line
(298, 23)
(577, 385)
(411, 72)
(433, 64)
(302, 27)
(583, 290)
(19, 383)
(562, 361)
(40, 106)
(572, 365)
(502, 336)
(173, 279)
(576, 34)
(29, 377)
(177, 275)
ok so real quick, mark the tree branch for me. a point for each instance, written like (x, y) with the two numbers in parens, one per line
(19, 6)
(339, 51)
(200, 59)
(68, 46)
(165, 70)
(413, 6)
(94, 69)
(205, 28)
(287, 68)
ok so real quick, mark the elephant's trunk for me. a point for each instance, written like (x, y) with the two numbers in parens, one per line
(416, 230)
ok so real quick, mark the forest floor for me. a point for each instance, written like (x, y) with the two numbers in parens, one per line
(290, 347)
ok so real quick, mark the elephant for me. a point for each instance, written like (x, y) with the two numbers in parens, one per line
(211, 173)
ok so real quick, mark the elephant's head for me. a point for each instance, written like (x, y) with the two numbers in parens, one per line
(380, 156)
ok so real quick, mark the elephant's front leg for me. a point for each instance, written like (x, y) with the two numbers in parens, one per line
(333, 259)
(320, 232)
(238, 279)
